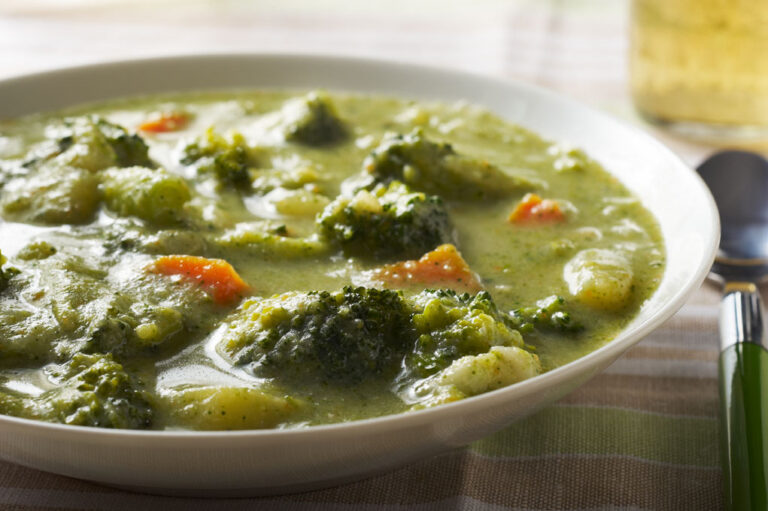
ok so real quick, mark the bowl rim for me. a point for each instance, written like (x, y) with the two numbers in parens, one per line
(595, 359)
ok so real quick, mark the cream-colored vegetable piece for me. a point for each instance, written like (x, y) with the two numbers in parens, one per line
(472, 375)
(600, 278)
(300, 202)
(221, 408)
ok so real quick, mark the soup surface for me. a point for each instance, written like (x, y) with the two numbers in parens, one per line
(274, 259)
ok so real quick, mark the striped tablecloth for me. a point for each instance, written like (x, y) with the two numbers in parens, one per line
(642, 435)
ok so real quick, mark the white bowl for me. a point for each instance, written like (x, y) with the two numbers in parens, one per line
(267, 462)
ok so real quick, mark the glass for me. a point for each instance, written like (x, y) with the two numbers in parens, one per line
(700, 67)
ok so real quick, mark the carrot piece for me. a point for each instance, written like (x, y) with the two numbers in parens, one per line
(442, 266)
(166, 122)
(215, 276)
(533, 209)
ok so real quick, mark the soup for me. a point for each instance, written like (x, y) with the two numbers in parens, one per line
(270, 259)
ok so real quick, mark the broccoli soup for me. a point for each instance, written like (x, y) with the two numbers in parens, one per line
(275, 259)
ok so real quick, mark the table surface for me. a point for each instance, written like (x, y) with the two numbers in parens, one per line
(641, 435)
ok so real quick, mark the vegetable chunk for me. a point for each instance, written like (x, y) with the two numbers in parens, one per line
(166, 122)
(36, 250)
(143, 315)
(153, 195)
(343, 337)
(229, 408)
(264, 239)
(67, 310)
(302, 202)
(442, 267)
(5, 273)
(93, 143)
(473, 375)
(547, 314)
(436, 168)
(97, 391)
(600, 278)
(227, 159)
(312, 120)
(355, 334)
(93, 390)
(501, 366)
(216, 276)
(533, 210)
(53, 195)
(450, 325)
(303, 177)
(390, 221)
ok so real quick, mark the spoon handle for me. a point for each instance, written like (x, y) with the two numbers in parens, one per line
(743, 395)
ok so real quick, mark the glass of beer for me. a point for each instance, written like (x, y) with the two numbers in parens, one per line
(700, 67)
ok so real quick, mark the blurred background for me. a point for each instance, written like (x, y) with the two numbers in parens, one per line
(700, 60)
(576, 47)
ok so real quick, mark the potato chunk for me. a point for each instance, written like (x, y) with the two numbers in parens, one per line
(300, 202)
(472, 375)
(153, 195)
(222, 408)
(54, 195)
(600, 278)
(501, 366)
(264, 239)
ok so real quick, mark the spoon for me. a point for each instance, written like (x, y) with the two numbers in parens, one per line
(738, 181)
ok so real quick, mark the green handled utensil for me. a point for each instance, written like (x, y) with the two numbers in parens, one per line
(739, 183)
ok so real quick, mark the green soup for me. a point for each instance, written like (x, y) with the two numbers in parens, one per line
(282, 259)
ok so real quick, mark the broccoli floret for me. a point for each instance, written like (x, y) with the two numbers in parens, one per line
(349, 335)
(5, 273)
(390, 221)
(13, 404)
(93, 390)
(154, 195)
(130, 149)
(93, 143)
(312, 120)
(90, 390)
(436, 168)
(228, 160)
(451, 325)
(3, 277)
(547, 314)
(340, 337)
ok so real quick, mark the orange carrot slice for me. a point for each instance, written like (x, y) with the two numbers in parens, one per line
(442, 267)
(166, 122)
(216, 276)
(535, 210)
